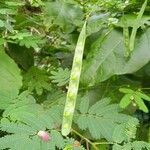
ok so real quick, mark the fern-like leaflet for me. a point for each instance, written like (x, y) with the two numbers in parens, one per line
(61, 76)
(36, 79)
(23, 119)
(103, 120)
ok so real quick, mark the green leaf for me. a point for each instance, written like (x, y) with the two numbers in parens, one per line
(118, 135)
(36, 79)
(12, 127)
(95, 23)
(140, 104)
(64, 14)
(84, 105)
(57, 138)
(125, 90)
(20, 141)
(136, 145)
(32, 142)
(125, 147)
(2, 24)
(125, 101)
(106, 57)
(143, 96)
(61, 77)
(25, 110)
(103, 119)
(27, 40)
(10, 80)
(140, 145)
(131, 21)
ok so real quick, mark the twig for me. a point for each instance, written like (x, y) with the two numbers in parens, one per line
(87, 140)
(87, 145)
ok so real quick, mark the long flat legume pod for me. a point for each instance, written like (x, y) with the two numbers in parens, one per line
(74, 83)
(136, 26)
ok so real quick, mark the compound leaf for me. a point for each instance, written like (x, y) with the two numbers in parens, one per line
(102, 120)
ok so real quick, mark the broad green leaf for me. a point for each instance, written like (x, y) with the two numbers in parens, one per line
(140, 104)
(130, 21)
(96, 23)
(106, 57)
(143, 96)
(125, 90)
(125, 101)
(10, 80)
(64, 14)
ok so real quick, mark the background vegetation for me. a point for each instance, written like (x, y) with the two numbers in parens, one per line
(37, 43)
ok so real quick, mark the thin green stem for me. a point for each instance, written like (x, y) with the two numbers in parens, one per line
(103, 143)
(136, 26)
(87, 140)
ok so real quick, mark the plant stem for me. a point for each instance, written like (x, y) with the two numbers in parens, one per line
(87, 140)
(103, 143)
(136, 26)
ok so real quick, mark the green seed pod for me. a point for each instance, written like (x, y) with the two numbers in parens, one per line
(126, 40)
(74, 83)
(136, 26)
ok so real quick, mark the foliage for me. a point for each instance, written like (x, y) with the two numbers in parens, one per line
(10, 80)
(61, 77)
(36, 79)
(64, 14)
(24, 118)
(26, 39)
(134, 97)
(39, 42)
(110, 49)
(135, 145)
(103, 120)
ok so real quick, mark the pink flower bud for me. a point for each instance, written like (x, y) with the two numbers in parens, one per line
(44, 136)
